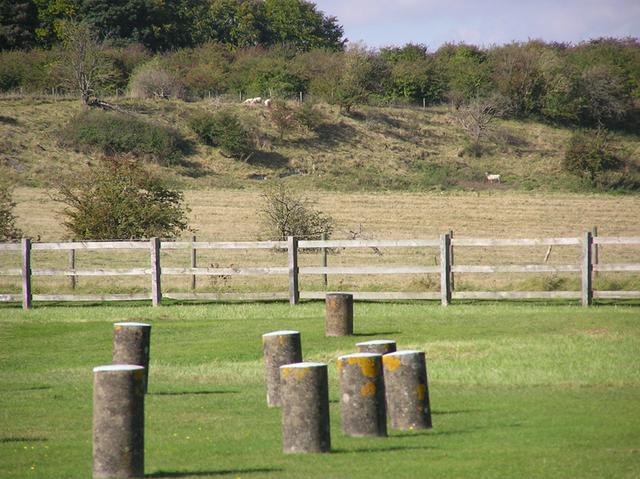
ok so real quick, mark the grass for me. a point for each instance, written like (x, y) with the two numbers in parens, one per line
(518, 390)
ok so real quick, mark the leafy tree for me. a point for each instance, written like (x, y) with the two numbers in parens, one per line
(466, 70)
(223, 129)
(357, 73)
(589, 154)
(286, 212)
(605, 96)
(119, 199)
(299, 23)
(18, 23)
(320, 69)
(51, 16)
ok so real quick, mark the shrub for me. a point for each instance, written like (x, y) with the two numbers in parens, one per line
(224, 130)
(119, 133)
(8, 229)
(283, 117)
(288, 213)
(308, 116)
(589, 154)
(152, 80)
(119, 199)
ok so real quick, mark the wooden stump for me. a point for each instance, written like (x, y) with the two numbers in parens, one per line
(279, 348)
(118, 422)
(362, 400)
(377, 346)
(131, 345)
(305, 408)
(339, 314)
(407, 390)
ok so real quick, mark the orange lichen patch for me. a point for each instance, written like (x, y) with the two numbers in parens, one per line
(391, 362)
(421, 390)
(367, 366)
(339, 365)
(368, 389)
(282, 339)
(118, 328)
(298, 373)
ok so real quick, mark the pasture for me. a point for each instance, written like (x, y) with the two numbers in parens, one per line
(517, 390)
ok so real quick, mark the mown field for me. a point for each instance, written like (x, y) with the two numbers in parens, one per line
(517, 391)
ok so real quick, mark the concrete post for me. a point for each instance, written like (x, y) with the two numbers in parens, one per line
(377, 346)
(279, 348)
(362, 395)
(407, 390)
(305, 408)
(118, 422)
(339, 314)
(131, 345)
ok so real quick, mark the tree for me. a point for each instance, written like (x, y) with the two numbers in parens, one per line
(357, 73)
(475, 118)
(589, 154)
(605, 95)
(84, 65)
(18, 22)
(119, 199)
(288, 213)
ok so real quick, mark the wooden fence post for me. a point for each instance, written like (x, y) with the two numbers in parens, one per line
(292, 247)
(325, 276)
(26, 273)
(72, 266)
(453, 284)
(194, 262)
(156, 286)
(445, 269)
(587, 270)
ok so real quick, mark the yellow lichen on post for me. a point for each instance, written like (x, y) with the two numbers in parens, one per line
(367, 365)
(391, 362)
(421, 390)
(301, 373)
(339, 365)
(368, 389)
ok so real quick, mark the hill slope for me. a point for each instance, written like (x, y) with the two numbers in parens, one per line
(373, 149)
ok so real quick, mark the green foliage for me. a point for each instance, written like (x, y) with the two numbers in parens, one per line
(356, 80)
(18, 22)
(308, 116)
(283, 117)
(589, 154)
(8, 229)
(285, 212)
(119, 133)
(118, 199)
(223, 129)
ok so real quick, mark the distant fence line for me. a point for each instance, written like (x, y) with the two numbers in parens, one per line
(586, 266)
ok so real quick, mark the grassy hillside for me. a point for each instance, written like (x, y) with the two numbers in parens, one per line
(373, 149)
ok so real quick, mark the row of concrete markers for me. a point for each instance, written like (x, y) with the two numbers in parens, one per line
(375, 383)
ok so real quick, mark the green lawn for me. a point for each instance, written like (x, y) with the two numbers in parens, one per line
(518, 390)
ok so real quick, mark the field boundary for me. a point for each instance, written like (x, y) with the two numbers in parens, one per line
(584, 265)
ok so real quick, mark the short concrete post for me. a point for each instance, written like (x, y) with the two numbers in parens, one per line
(279, 348)
(362, 400)
(339, 314)
(118, 422)
(377, 346)
(407, 390)
(305, 408)
(131, 345)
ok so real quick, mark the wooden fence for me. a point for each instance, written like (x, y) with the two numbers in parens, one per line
(585, 266)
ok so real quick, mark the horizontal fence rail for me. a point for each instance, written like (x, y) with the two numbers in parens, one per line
(586, 264)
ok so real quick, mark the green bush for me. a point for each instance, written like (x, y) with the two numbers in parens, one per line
(119, 133)
(153, 80)
(223, 129)
(308, 116)
(8, 229)
(119, 199)
(589, 154)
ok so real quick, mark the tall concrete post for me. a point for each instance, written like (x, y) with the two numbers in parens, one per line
(131, 345)
(407, 390)
(339, 314)
(118, 422)
(279, 348)
(305, 408)
(377, 346)
(362, 395)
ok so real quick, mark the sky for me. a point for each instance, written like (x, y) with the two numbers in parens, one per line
(482, 23)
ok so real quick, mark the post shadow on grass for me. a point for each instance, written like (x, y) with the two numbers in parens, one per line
(381, 333)
(222, 472)
(192, 393)
(358, 450)
(4, 440)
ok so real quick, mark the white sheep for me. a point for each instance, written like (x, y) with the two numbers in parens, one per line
(492, 178)
(253, 101)
(268, 102)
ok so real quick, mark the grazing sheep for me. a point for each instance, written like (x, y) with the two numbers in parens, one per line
(268, 102)
(492, 178)
(253, 101)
